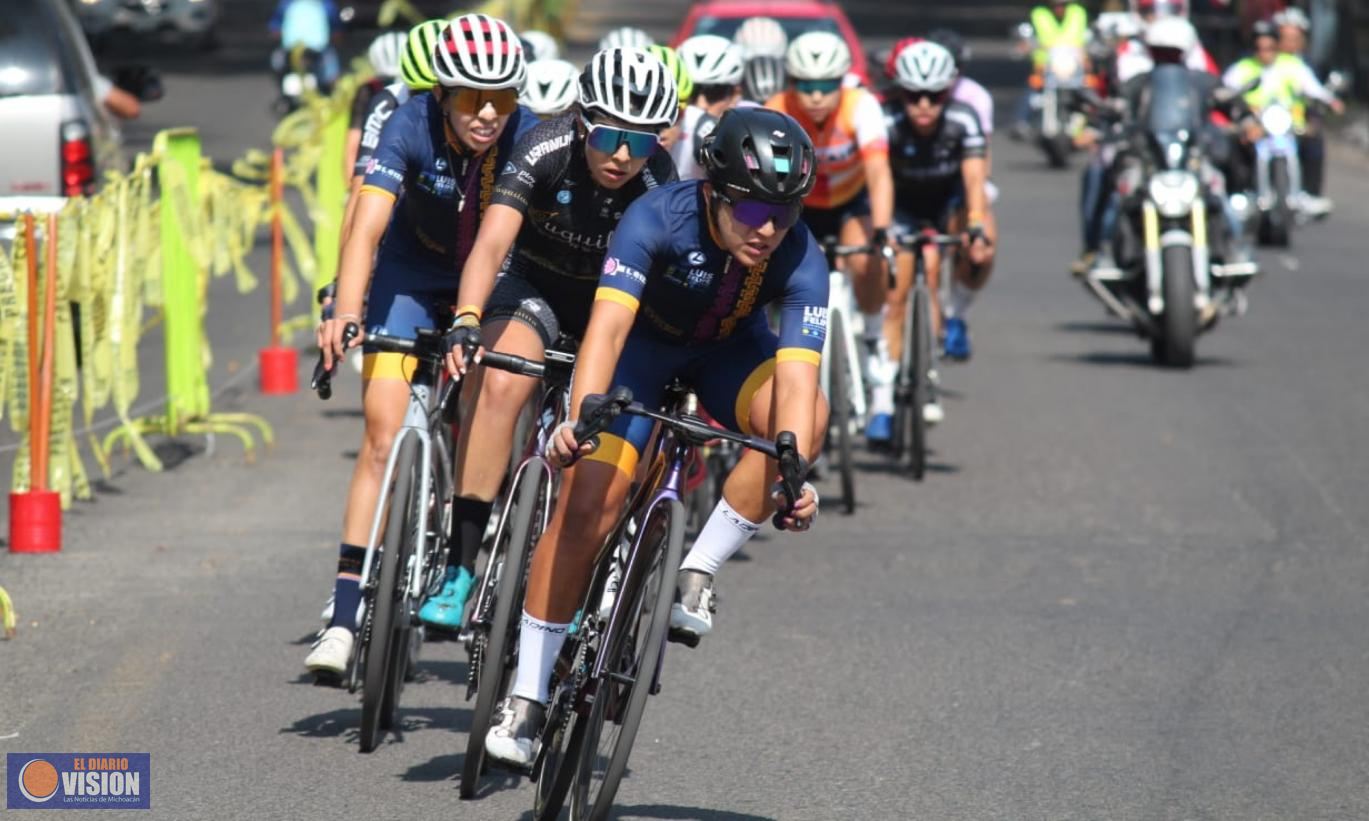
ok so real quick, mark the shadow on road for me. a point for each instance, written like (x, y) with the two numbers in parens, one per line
(1139, 359)
(448, 768)
(672, 813)
(1101, 326)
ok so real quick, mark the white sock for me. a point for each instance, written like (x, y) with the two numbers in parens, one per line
(724, 534)
(882, 397)
(874, 328)
(539, 642)
(961, 297)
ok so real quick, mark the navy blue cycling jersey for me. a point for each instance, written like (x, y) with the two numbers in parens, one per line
(442, 190)
(665, 264)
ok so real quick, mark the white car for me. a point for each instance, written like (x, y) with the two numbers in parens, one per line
(57, 137)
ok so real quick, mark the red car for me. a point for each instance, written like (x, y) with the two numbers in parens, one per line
(722, 17)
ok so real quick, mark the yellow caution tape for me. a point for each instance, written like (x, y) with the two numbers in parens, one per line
(8, 618)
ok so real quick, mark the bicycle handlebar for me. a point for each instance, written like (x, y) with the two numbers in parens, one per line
(598, 412)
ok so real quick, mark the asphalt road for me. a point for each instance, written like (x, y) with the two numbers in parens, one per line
(1122, 593)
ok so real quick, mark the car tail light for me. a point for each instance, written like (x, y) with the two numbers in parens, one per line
(78, 167)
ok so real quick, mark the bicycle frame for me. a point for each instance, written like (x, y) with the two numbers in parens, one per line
(417, 422)
(555, 408)
(841, 299)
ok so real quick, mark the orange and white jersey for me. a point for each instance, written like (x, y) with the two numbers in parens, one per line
(854, 133)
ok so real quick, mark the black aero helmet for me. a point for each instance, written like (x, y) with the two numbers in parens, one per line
(758, 153)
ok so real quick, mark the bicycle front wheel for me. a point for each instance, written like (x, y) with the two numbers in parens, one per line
(917, 358)
(840, 401)
(616, 713)
(382, 645)
(499, 656)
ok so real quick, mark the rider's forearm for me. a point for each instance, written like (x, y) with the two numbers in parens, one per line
(795, 401)
(358, 254)
(497, 234)
(974, 174)
(595, 362)
(879, 179)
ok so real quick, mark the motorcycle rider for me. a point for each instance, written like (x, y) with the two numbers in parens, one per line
(1283, 80)
(1293, 27)
(1170, 41)
(311, 24)
(1059, 24)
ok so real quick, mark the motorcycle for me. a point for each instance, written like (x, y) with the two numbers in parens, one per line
(298, 77)
(1278, 175)
(1170, 282)
(1050, 107)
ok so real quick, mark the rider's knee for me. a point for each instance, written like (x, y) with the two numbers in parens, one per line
(503, 392)
(376, 448)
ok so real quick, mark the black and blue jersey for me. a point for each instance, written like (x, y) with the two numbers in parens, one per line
(665, 264)
(442, 190)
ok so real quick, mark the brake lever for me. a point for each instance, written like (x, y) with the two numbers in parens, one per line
(791, 474)
(322, 381)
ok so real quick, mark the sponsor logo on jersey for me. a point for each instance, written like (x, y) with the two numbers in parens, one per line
(696, 257)
(814, 321)
(537, 152)
(563, 197)
(439, 185)
(614, 267)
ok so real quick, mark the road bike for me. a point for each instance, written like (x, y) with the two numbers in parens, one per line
(491, 634)
(915, 386)
(842, 370)
(610, 664)
(406, 565)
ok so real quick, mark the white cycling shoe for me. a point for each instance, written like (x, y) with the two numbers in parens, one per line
(331, 652)
(691, 618)
(932, 413)
(512, 740)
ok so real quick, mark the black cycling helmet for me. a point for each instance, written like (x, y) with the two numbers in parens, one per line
(758, 153)
(952, 42)
(1262, 29)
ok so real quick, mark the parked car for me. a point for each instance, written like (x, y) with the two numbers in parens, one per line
(189, 21)
(723, 17)
(59, 138)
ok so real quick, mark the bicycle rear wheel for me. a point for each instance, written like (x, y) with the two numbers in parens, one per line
(382, 648)
(499, 657)
(632, 665)
(920, 343)
(839, 429)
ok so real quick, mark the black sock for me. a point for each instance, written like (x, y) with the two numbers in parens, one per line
(347, 588)
(469, 519)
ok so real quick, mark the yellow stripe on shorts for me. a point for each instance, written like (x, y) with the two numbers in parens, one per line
(750, 388)
(388, 365)
(375, 189)
(616, 451)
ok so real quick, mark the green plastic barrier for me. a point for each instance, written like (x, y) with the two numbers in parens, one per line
(331, 191)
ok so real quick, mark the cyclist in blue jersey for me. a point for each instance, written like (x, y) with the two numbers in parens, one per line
(684, 284)
(427, 185)
(555, 206)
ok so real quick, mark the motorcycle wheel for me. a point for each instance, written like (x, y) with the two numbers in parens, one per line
(1057, 150)
(1281, 218)
(1178, 327)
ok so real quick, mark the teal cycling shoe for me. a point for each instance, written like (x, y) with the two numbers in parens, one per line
(445, 610)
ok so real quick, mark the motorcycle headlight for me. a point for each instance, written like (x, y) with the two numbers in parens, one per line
(1174, 193)
(1064, 64)
(1276, 121)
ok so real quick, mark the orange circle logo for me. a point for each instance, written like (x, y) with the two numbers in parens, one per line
(38, 780)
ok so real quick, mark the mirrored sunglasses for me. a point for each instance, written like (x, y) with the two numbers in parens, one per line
(474, 100)
(817, 86)
(756, 213)
(608, 139)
